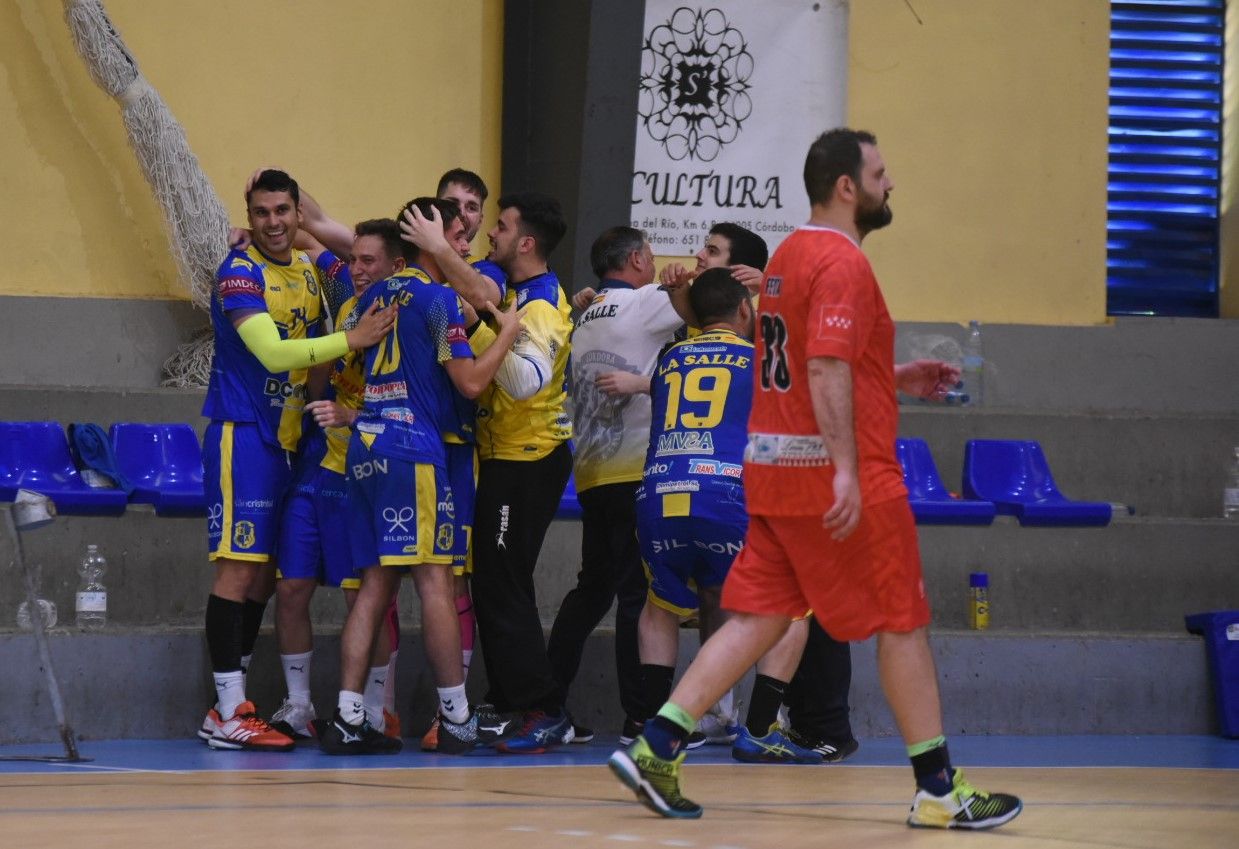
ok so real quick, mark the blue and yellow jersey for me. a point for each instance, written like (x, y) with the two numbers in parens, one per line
(530, 429)
(702, 392)
(404, 397)
(241, 389)
(348, 387)
(488, 269)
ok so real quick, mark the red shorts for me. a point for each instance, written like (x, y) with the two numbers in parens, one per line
(867, 583)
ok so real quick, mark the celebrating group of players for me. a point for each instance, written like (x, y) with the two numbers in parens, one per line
(381, 403)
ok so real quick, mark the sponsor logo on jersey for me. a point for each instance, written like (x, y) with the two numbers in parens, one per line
(368, 468)
(230, 286)
(391, 391)
(677, 486)
(685, 442)
(773, 286)
(702, 467)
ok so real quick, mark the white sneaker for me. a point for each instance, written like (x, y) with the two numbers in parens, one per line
(717, 731)
(295, 720)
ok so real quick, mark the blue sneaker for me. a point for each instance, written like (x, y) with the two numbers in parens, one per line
(538, 734)
(775, 748)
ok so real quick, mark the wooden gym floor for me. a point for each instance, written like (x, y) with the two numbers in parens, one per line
(1078, 791)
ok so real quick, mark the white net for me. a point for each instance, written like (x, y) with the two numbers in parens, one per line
(196, 219)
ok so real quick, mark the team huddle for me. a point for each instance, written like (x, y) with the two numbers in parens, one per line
(383, 403)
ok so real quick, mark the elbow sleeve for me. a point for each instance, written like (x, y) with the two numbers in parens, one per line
(521, 375)
(262, 339)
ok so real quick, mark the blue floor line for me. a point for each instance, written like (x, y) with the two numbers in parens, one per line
(1175, 752)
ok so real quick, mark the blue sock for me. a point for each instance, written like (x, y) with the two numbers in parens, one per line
(664, 737)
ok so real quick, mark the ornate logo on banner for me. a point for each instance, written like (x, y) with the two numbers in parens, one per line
(695, 70)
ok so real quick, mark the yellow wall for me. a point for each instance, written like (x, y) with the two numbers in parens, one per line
(1230, 184)
(365, 109)
(991, 116)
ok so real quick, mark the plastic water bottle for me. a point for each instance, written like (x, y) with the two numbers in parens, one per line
(978, 601)
(1230, 497)
(47, 612)
(974, 365)
(92, 597)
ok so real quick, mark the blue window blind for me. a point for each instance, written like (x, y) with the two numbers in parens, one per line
(1162, 243)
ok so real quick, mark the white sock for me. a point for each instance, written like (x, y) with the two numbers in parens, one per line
(352, 707)
(230, 690)
(376, 683)
(466, 658)
(454, 704)
(297, 676)
(389, 692)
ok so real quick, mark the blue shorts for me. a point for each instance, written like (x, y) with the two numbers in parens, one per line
(245, 480)
(462, 476)
(398, 510)
(683, 553)
(314, 528)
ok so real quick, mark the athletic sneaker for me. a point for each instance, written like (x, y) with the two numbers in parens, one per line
(247, 730)
(483, 728)
(655, 781)
(581, 733)
(294, 720)
(430, 740)
(391, 724)
(964, 807)
(209, 723)
(632, 730)
(718, 730)
(832, 751)
(537, 734)
(345, 738)
(775, 748)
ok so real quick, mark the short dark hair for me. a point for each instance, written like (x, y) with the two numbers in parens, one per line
(716, 296)
(272, 180)
(747, 248)
(832, 155)
(389, 232)
(612, 248)
(541, 217)
(468, 179)
(449, 211)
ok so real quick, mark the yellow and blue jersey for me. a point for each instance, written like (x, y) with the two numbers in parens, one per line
(404, 395)
(489, 269)
(702, 392)
(529, 429)
(240, 388)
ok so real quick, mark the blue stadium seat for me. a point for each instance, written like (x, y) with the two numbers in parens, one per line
(932, 503)
(164, 463)
(35, 456)
(1015, 476)
(569, 507)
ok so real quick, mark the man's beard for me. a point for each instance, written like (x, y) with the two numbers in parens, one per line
(873, 217)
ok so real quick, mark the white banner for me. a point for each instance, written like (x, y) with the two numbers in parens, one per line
(732, 94)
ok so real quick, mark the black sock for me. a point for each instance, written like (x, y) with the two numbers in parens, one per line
(224, 630)
(933, 770)
(251, 622)
(657, 681)
(764, 706)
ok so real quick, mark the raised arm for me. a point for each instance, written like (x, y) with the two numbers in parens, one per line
(427, 235)
(471, 376)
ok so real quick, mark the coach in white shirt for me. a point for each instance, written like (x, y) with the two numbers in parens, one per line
(614, 348)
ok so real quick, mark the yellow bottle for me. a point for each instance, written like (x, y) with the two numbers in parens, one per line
(978, 606)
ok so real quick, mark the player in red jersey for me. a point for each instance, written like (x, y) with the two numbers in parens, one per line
(830, 527)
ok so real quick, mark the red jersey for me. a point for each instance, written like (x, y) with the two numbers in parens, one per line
(820, 298)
